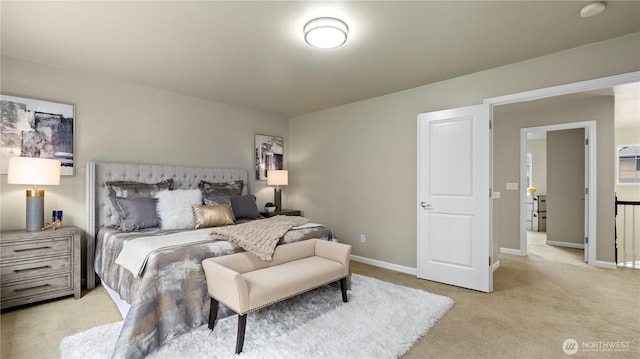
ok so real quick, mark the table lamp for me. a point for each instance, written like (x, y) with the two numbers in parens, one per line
(277, 178)
(35, 172)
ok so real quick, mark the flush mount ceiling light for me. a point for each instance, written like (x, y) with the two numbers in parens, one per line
(593, 9)
(325, 32)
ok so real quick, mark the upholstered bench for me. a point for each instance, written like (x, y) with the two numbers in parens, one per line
(244, 283)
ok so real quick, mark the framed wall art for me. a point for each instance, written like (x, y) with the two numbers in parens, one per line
(36, 128)
(269, 152)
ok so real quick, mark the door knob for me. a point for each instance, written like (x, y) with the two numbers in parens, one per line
(426, 205)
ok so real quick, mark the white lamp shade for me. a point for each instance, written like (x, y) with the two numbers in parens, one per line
(33, 171)
(277, 178)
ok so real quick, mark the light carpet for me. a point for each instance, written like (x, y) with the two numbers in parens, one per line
(381, 320)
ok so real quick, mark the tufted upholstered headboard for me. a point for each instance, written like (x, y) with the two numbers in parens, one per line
(100, 211)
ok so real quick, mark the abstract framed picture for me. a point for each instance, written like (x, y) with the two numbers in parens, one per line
(36, 128)
(269, 152)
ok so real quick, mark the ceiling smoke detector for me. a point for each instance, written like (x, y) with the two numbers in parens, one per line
(593, 9)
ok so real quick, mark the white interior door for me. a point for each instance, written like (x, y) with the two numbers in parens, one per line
(454, 197)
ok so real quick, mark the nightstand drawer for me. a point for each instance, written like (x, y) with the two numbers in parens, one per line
(36, 287)
(36, 248)
(34, 268)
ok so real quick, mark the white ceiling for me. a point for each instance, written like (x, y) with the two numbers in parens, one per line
(252, 54)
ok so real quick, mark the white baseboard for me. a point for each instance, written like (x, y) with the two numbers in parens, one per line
(386, 265)
(602, 264)
(515, 252)
(494, 266)
(565, 244)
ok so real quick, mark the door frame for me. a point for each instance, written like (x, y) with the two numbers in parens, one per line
(570, 88)
(590, 181)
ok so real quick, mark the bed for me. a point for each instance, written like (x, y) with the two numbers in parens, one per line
(162, 294)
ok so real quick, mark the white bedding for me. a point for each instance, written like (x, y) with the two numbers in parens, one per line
(135, 253)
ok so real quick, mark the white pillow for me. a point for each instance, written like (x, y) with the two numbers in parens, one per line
(174, 208)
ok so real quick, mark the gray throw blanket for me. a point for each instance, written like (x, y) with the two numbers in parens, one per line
(258, 237)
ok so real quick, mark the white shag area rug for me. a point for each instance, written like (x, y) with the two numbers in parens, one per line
(381, 320)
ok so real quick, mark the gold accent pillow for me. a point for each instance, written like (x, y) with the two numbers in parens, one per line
(212, 216)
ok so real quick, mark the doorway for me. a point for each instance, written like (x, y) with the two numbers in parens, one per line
(548, 93)
(557, 167)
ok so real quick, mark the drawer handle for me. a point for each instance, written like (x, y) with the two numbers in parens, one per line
(30, 269)
(30, 288)
(30, 249)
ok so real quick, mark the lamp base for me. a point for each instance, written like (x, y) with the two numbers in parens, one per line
(35, 210)
(277, 198)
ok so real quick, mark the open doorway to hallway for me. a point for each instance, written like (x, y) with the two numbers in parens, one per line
(556, 178)
(555, 168)
(597, 103)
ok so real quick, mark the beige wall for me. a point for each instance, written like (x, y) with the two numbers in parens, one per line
(506, 163)
(565, 194)
(123, 122)
(354, 167)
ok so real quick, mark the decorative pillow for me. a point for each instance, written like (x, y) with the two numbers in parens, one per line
(215, 200)
(244, 207)
(212, 216)
(217, 189)
(174, 208)
(139, 213)
(131, 190)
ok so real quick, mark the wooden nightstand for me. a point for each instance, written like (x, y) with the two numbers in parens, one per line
(282, 212)
(39, 265)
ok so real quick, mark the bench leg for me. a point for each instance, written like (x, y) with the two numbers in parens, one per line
(242, 325)
(213, 313)
(343, 289)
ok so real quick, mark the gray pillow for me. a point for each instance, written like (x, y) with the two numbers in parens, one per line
(139, 213)
(217, 189)
(132, 190)
(244, 207)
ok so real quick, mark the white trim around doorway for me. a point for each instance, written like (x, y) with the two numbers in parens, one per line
(588, 85)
